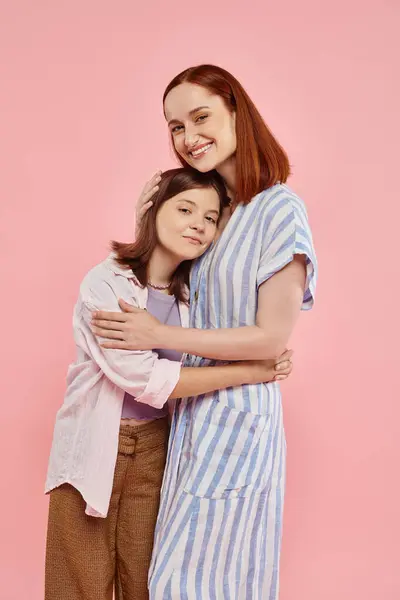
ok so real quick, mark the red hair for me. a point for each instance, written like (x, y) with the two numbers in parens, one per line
(261, 162)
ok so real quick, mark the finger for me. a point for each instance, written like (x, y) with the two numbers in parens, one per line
(280, 377)
(106, 333)
(286, 371)
(143, 210)
(128, 307)
(108, 316)
(152, 182)
(156, 177)
(119, 345)
(285, 356)
(109, 325)
(151, 193)
(284, 365)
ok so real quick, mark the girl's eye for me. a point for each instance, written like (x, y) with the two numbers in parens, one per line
(176, 129)
(211, 220)
(186, 211)
(201, 118)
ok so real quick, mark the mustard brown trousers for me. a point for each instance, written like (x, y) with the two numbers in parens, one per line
(88, 558)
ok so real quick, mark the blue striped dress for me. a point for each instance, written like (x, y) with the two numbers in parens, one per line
(219, 528)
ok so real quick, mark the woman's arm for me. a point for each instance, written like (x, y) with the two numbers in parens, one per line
(153, 381)
(279, 302)
(142, 373)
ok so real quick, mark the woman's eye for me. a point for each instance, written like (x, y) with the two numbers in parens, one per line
(186, 211)
(177, 128)
(211, 220)
(201, 118)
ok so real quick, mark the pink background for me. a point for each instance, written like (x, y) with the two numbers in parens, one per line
(83, 129)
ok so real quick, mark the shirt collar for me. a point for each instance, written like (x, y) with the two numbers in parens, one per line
(128, 273)
(118, 269)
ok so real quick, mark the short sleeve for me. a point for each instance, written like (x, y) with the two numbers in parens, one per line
(286, 232)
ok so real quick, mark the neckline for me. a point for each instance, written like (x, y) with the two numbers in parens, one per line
(168, 298)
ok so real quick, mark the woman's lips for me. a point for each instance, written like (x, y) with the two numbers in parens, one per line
(200, 151)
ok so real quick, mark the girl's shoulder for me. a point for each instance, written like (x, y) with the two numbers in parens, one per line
(109, 275)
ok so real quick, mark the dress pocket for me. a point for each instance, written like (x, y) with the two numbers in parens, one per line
(224, 451)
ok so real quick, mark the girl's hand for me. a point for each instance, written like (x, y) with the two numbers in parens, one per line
(264, 371)
(283, 365)
(132, 329)
(144, 202)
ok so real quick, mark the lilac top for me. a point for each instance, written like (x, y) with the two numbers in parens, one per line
(165, 308)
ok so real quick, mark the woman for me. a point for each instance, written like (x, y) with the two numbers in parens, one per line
(219, 528)
(116, 466)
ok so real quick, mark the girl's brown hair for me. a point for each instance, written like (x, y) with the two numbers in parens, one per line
(261, 161)
(136, 255)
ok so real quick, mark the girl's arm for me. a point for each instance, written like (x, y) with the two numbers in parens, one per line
(142, 373)
(194, 381)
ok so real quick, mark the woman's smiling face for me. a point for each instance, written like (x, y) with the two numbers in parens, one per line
(202, 128)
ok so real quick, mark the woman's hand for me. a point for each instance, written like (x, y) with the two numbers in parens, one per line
(132, 329)
(136, 329)
(145, 202)
(263, 371)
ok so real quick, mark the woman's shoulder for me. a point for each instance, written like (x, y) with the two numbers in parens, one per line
(278, 203)
(280, 194)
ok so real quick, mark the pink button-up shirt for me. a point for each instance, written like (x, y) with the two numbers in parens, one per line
(85, 441)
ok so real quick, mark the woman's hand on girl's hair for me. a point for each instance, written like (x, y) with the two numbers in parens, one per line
(144, 202)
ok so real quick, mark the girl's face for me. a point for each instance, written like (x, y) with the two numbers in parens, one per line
(202, 128)
(187, 223)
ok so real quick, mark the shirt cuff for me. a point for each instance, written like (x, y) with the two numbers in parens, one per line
(164, 377)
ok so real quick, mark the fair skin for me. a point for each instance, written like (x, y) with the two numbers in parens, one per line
(186, 226)
(203, 133)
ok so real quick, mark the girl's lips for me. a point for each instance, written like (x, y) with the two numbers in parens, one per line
(193, 240)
